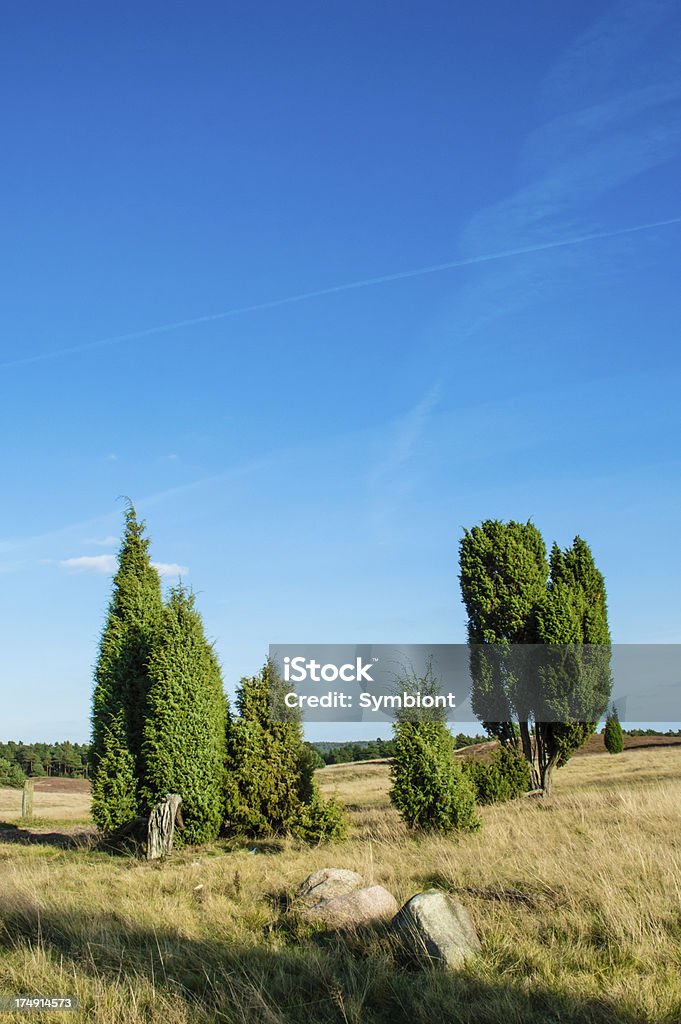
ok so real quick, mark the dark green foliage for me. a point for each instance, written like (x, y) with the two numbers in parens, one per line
(505, 776)
(315, 757)
(270, 787)
(119, 703)
(429, 788)
(613, 736)
(651, 732)
(369, 750)
(548, 697)
(184, 733)
(320, 820)
(503, 576)
(573, 619)
(11, 774)
(114, 787)
(67, 760)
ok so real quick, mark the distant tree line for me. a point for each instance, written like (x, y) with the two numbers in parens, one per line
(19, 761)
(369, 750)
(59, 760)
(651, 732)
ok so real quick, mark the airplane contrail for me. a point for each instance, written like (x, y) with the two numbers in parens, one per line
(367, 282)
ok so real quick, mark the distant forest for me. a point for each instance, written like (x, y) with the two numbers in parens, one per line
(19, 761)
(368, 750)
(61, 760)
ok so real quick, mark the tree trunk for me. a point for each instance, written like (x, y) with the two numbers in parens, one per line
(547, 780)
(161, 827)
(546, 758)
(529, 751)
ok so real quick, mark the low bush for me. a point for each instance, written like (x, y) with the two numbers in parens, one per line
(11, 774)
(429, 787)
(612, 734)
(505, 776)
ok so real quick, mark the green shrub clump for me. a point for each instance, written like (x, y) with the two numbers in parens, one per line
(11, 774)
(270, 787)
(429, 788)
(612, 734)
(505, 776)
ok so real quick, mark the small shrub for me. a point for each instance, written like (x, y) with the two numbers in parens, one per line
(11, 774)
(613, 736)
(505, 776)
(320, 821)
(270, 786)
(429, 787)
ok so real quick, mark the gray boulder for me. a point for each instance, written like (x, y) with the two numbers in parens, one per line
(360, 907)
(326, 884)
(434, 924)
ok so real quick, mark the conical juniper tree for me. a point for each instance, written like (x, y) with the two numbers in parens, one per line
(613, 737)
(549, 696)
(573, 678)
(122, 679)
(429, 788)
(184, 734)
(270, 788)
(114, 786)
(503, 577)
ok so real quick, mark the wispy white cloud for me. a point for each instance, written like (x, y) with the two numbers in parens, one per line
(392, 479)
(614, 113)
(104, 542)
(6, 567)
(105, 564)
(595, 58)
(170, 569)
(405, 433)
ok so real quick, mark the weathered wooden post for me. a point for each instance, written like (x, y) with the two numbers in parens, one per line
(27, 800)
(161, 826)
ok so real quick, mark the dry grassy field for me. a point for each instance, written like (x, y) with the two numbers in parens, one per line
(69, 801)
(577, 901)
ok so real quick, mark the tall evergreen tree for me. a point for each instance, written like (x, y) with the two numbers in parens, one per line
(574, 673)
(184, 734)
(119, 703)
(552, 695)
(270, 783)
(114, 787)
(503, 577)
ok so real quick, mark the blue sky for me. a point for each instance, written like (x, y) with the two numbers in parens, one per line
(310, 464)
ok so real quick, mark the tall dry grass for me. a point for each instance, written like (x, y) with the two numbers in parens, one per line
(576, 900)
